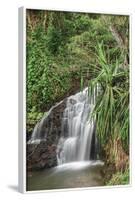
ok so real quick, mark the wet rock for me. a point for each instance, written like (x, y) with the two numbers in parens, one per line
(43, 154)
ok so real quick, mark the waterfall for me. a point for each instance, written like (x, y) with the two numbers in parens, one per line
(69, 126)
(77, 129)
(40, 131)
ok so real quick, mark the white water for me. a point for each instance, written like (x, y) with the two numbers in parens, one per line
(75, 167)
(77, 129)
(37, 133)
(78, 165)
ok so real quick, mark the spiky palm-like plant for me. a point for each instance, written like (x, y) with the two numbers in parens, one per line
(112, 102)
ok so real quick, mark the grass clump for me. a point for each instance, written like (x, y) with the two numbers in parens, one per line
(119, 178)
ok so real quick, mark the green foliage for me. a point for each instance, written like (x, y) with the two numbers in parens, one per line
(33, 117)
(53, 39)
(119, 178)
(45, 80)
(81, 47)
(81, 22)
(112, 104)
(62, 46)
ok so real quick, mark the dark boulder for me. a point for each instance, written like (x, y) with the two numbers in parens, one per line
(44, 154)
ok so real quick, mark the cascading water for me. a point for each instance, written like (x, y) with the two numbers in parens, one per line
(40, 131)
(69, 129)
(77, 129)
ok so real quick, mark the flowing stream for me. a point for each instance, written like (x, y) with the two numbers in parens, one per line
(77, 129)
(76, 149)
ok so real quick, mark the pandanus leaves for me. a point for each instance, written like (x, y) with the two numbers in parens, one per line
(112, 102)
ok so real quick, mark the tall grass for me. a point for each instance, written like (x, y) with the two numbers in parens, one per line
(119, 178)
